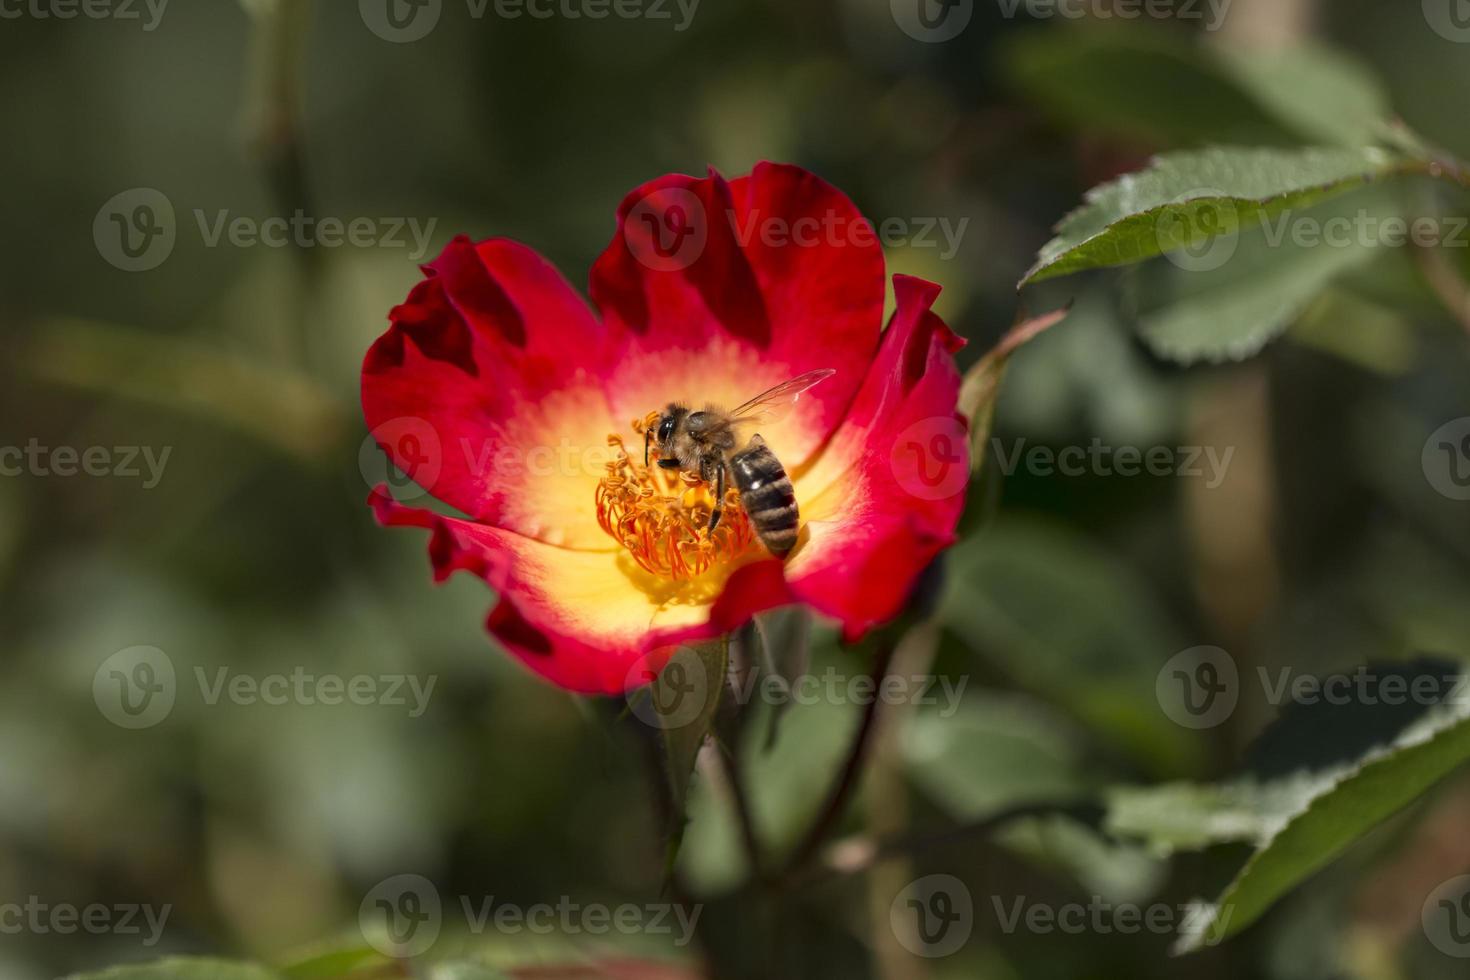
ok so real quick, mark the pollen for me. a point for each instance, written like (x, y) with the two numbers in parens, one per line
(662, 516)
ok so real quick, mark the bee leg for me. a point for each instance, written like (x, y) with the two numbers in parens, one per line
(714, 517)
(647, 435)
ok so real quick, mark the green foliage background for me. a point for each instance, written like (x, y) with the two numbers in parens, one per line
(1325, 548)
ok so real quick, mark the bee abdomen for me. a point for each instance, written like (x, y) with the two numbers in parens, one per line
(767, 496)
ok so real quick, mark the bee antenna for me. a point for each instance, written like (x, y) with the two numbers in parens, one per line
(647, 435)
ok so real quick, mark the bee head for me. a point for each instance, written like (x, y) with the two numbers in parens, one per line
(663, 435)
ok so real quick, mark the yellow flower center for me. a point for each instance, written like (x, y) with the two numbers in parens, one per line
(662, 516)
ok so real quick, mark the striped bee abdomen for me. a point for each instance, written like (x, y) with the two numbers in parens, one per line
(767, 496)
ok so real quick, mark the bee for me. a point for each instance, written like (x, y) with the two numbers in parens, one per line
(710, 443)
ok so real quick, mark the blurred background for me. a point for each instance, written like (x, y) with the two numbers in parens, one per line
(247, 548)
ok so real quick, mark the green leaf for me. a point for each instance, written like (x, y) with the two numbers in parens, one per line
(785, 642)
(1134, 82)
(1317, 91)
(183, 968)
(684, 700)
(997, 752)
(1242, 291)
(330, 964)
(1371, 794)
(1188, 817)
(1142, 82)
(1099, 661)
(994, 753)
(1320, 779)
(467, 971)
(1186, 199)
(1117, 871)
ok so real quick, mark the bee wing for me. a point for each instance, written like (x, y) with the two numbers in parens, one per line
(772, 406)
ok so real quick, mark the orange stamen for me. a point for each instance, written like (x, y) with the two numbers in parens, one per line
(662, 516)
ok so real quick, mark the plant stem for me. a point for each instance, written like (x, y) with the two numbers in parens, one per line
(740, 803)
(1439, 273)
(847, 779)
(858, 854)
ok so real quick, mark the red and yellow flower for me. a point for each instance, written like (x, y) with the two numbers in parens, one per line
(507, 398)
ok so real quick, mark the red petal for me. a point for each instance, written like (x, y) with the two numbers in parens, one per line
(755, 280)
(885, 496)
(486, 390)
(582, 619)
